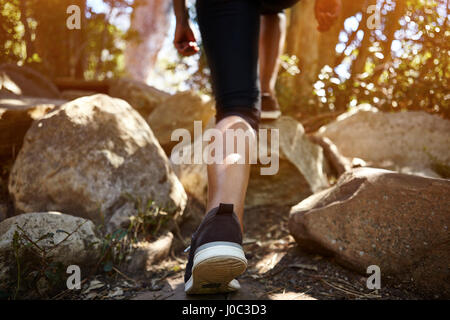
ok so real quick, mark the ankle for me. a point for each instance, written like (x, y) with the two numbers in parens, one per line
(270, 93)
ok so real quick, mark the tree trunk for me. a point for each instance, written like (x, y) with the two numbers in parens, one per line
(302, 41)
(151, 20)
(313, 49)
(27, 32)
(80, 53)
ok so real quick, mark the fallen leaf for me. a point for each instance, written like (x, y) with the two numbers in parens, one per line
(117, 292)
(94, 284)
(91, 296)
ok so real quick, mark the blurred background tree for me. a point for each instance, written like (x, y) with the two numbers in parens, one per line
(34, 33)
(402, 64)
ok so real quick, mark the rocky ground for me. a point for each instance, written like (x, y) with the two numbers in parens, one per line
(278, 270)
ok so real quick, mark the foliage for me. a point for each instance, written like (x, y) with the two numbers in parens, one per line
(114, 249)
(38, 274)
(148, 220)
(117, 246)
(402, 66)
(34, 32)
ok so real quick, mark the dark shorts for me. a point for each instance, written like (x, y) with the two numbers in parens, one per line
(230, 36)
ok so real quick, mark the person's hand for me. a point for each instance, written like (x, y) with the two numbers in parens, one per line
(327, 12)
(185, 40)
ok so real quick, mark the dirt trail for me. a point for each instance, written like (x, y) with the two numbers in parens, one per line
(277, 270)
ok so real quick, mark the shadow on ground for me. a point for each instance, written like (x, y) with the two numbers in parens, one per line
(278, 269)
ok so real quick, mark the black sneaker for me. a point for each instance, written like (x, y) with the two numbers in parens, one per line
(270, 110)
(216, 256)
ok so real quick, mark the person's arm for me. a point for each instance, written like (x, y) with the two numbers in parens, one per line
(327, 12)
(180, 10)
(184, 39)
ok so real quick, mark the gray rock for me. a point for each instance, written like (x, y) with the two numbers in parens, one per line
(301, 170)
(142, 97)
(81, 248)
(412, 142)
(72, 94)
(194, 179)
(179, 111)
(94, 157)
(338, 164)
(398, 222)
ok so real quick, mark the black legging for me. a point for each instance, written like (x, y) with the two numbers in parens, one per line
(230, 36)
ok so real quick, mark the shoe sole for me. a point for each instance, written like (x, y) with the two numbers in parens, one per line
(214, 268)
(270, 115)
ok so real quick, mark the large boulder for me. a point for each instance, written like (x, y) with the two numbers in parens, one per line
(301, 170)
(337, 164)
(94, 157)
(193, 176)
(179, 111)
(409, 142)
(16, 116)
(399, 222)
(25, 96)
(40, 238)
(146, 254)
(24, 81)
(142, 97)
(194, 179)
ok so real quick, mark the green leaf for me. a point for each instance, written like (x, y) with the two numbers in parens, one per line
(46, 236)
(119, 234)
(122, 234)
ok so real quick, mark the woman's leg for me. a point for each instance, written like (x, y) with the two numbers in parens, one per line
(227, 182)
(230, 36)
(230, 33)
